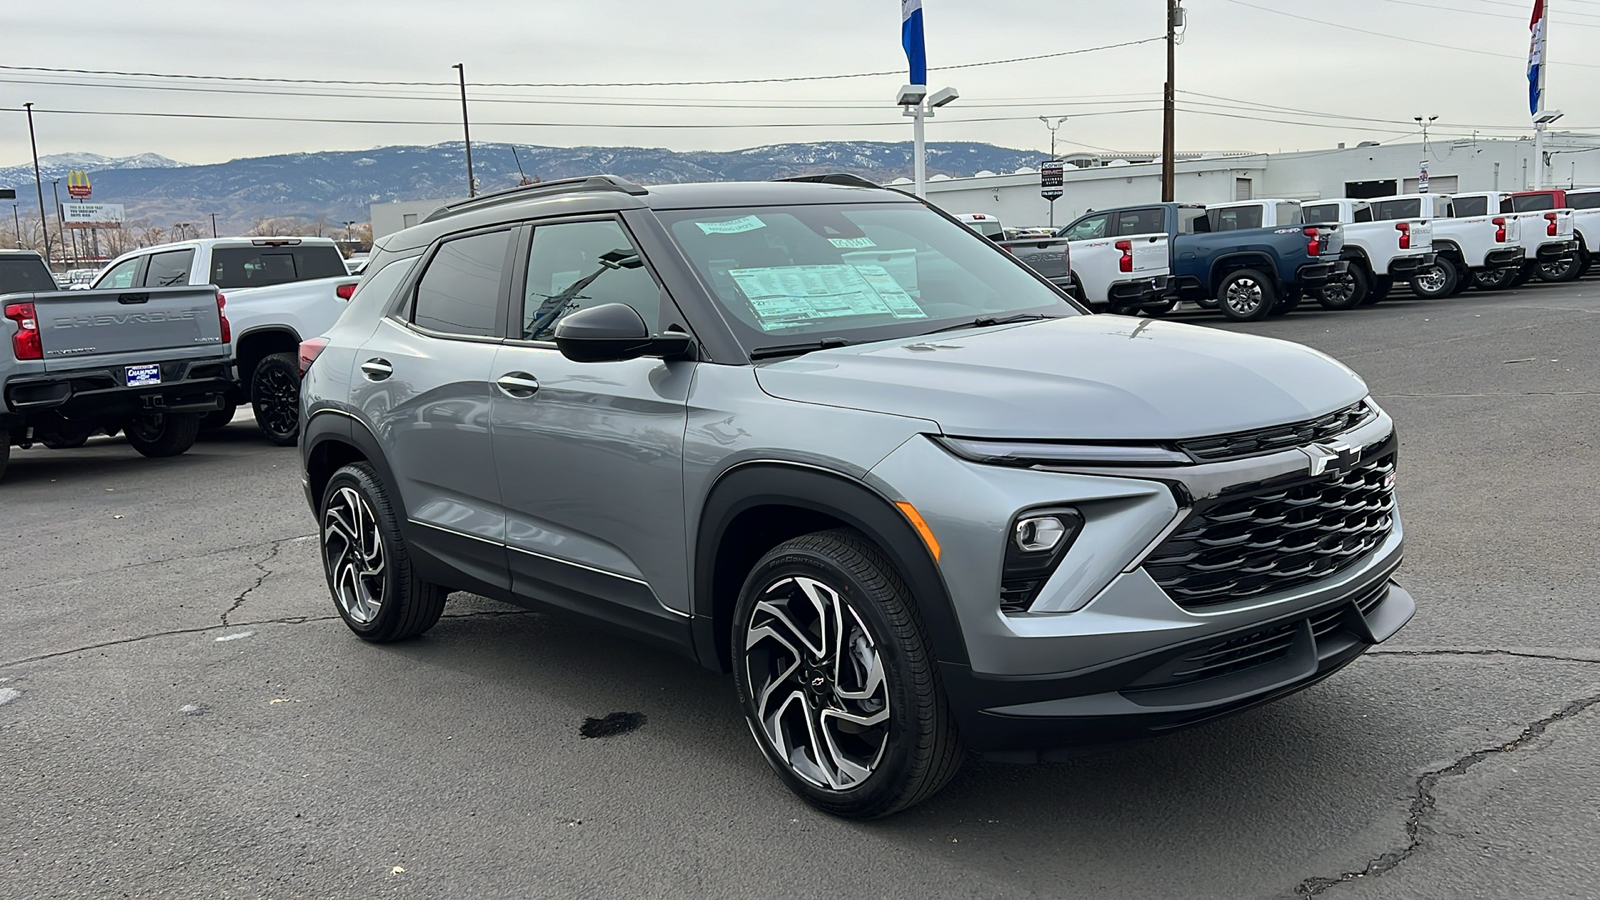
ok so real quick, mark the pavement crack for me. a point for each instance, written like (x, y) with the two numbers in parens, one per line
(1423, 803)
(162, 561)
(1518, 654)
(266, 572)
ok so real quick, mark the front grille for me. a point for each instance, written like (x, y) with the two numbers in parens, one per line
(1278, 538)
(1279, 437)
(1239, 653)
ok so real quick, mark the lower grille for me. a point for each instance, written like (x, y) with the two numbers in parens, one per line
(1237, 654)
(1276, 539)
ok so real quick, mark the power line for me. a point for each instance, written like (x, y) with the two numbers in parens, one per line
(1492, 15)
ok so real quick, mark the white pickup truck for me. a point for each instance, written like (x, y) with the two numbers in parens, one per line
(1547, 237)
(1122, 261)
(279, 291)
(1378, 252)
(1585, 206)
(1463, 246)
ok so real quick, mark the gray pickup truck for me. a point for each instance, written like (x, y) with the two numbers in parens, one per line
(147, 362)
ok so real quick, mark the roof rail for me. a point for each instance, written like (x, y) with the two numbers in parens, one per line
(844, 179)
(541, 189)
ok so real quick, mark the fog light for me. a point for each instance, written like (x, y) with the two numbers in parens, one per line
(1039, 534)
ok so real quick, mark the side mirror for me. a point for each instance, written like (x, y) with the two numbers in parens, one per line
(613, 332)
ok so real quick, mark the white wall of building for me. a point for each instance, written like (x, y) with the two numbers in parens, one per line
(387, 218)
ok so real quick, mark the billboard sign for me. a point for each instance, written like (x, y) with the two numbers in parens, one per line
(78, 185)
(1051, 179)
(92, 215)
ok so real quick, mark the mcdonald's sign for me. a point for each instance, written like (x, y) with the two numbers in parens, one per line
(78, 184)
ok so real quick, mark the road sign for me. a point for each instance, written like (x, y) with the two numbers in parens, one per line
(92, 215)
(8, 194)
(1051, 179)
(1422, 178)
(78, 185)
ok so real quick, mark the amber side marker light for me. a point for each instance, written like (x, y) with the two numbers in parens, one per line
(918, 523)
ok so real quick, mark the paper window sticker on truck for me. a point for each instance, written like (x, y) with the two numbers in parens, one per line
(860, 243)
(734, 226)
(786, 296)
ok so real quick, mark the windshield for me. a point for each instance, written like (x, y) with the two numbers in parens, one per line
(856, 272)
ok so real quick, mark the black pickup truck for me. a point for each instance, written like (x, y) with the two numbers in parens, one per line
(147, 362)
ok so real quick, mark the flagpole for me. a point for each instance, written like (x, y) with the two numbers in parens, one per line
(1539, 123)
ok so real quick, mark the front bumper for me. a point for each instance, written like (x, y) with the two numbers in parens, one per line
(102, 394)
(1104, 653)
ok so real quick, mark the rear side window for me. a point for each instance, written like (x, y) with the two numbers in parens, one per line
(1289, 214)
(460, 291)
(1363, 213)
(1326, 214)
(247, 267)
(24, 274)
(169, 269)
(1471, 206)
(1389, 210)
(1584, 201)
(1193, 221)
(1533, 203)
(1236, 218)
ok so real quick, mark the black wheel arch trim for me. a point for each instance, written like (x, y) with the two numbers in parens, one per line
(1224, 266)
(755, 484)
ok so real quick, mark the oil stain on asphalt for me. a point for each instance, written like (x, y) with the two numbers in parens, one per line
(612, 725)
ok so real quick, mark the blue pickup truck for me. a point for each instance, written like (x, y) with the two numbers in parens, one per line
(1246, 273)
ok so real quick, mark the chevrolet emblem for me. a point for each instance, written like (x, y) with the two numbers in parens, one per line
(1337, 457)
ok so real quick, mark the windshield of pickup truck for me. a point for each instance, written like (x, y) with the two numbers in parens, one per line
(857, 272)
(248, 267)
(25, 275)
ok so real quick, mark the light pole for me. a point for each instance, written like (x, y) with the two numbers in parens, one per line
(920, 106)
(16, 222)
(213, 224)
(38, 182)
(466, 131)
(61, 225)
(1058, 122)
(1422, 172)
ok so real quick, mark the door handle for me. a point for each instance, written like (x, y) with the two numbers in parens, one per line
(377, 369)
(519, 385)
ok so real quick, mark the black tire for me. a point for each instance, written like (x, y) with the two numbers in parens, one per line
(1463, 280)
(1379, 291)
(1288, 303)
(67, 441)
(392, 603)
(162, 434)
(1585, 262)
(1495, 280)
(1157, 310)
(219, 418)
(1246, 295)
(1563, 271)
(275, 396)
(1436, 281)
(909, 748)
(5, 453)
(1346, 291)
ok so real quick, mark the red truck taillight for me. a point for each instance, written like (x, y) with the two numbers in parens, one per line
(25, 344)
(227, 328)
(1314, 244)
(1405, 234)
(1500, 230)
(1550, 218)
(1126, 263)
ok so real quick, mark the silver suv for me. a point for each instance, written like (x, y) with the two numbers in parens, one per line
(823, 437)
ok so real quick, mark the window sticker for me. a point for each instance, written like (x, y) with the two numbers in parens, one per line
(860, 243)
(736, 226)
(786, 296)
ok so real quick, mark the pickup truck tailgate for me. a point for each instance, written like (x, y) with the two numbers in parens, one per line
(1152, 254)
(74, 325)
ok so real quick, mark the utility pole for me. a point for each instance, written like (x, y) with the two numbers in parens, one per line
(466, 131)
(16, 221)
(1169, 133)
(1422, 170)
(38, 183)
(213, 224)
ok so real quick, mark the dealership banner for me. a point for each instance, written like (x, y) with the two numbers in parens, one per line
(92, 215)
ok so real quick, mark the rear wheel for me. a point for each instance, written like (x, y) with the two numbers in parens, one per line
(1346, 291)
(369, 573)
(1379, 292)
(1495, 280)
(1246, 296)
(5, 452)
(275, 395)
(219, 418)
(837, 681)
(1435, 281)
(162, 434)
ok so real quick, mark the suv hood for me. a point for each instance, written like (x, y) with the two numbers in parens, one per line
(1080, 378)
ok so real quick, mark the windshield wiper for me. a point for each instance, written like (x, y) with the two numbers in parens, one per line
(989, 321)
(827, 343)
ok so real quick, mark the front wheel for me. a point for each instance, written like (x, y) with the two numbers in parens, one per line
(364, 557)
(162, 434)
(275, 395)
(1246, 296)
(837, 680)
(1345, 291)
(1436, 281)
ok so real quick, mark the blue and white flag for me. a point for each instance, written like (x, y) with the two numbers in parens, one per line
(911, 39)
(1536, 57)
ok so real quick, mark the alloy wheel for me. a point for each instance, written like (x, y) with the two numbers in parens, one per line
(1244, 296)
(819, 685)
(1432, 280)
(277, 400)
(352, 548)
(147, 427)
(1340, 289)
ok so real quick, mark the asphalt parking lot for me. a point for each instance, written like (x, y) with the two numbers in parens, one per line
(182, 715)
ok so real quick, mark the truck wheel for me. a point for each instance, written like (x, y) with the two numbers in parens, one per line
(275, 395)
(1157, 310)
(1246, 296)
(1436, 281)
(837, 680)
(1379, 291)
(1346, 291)
(375, 589)
(219, 418)
(1288, 303)
(1563, 271)
(1496, 280)
(5, 452)
(162, 434)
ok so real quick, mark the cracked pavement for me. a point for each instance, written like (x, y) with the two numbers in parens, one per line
(181, 714)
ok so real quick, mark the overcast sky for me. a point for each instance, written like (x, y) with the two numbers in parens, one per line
(1245, 56)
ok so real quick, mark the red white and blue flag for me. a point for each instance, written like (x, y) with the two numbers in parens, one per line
(1536, 57)
(911, 39)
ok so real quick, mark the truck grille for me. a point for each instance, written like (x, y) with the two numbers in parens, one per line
(1279, 437)
(1278, 538)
